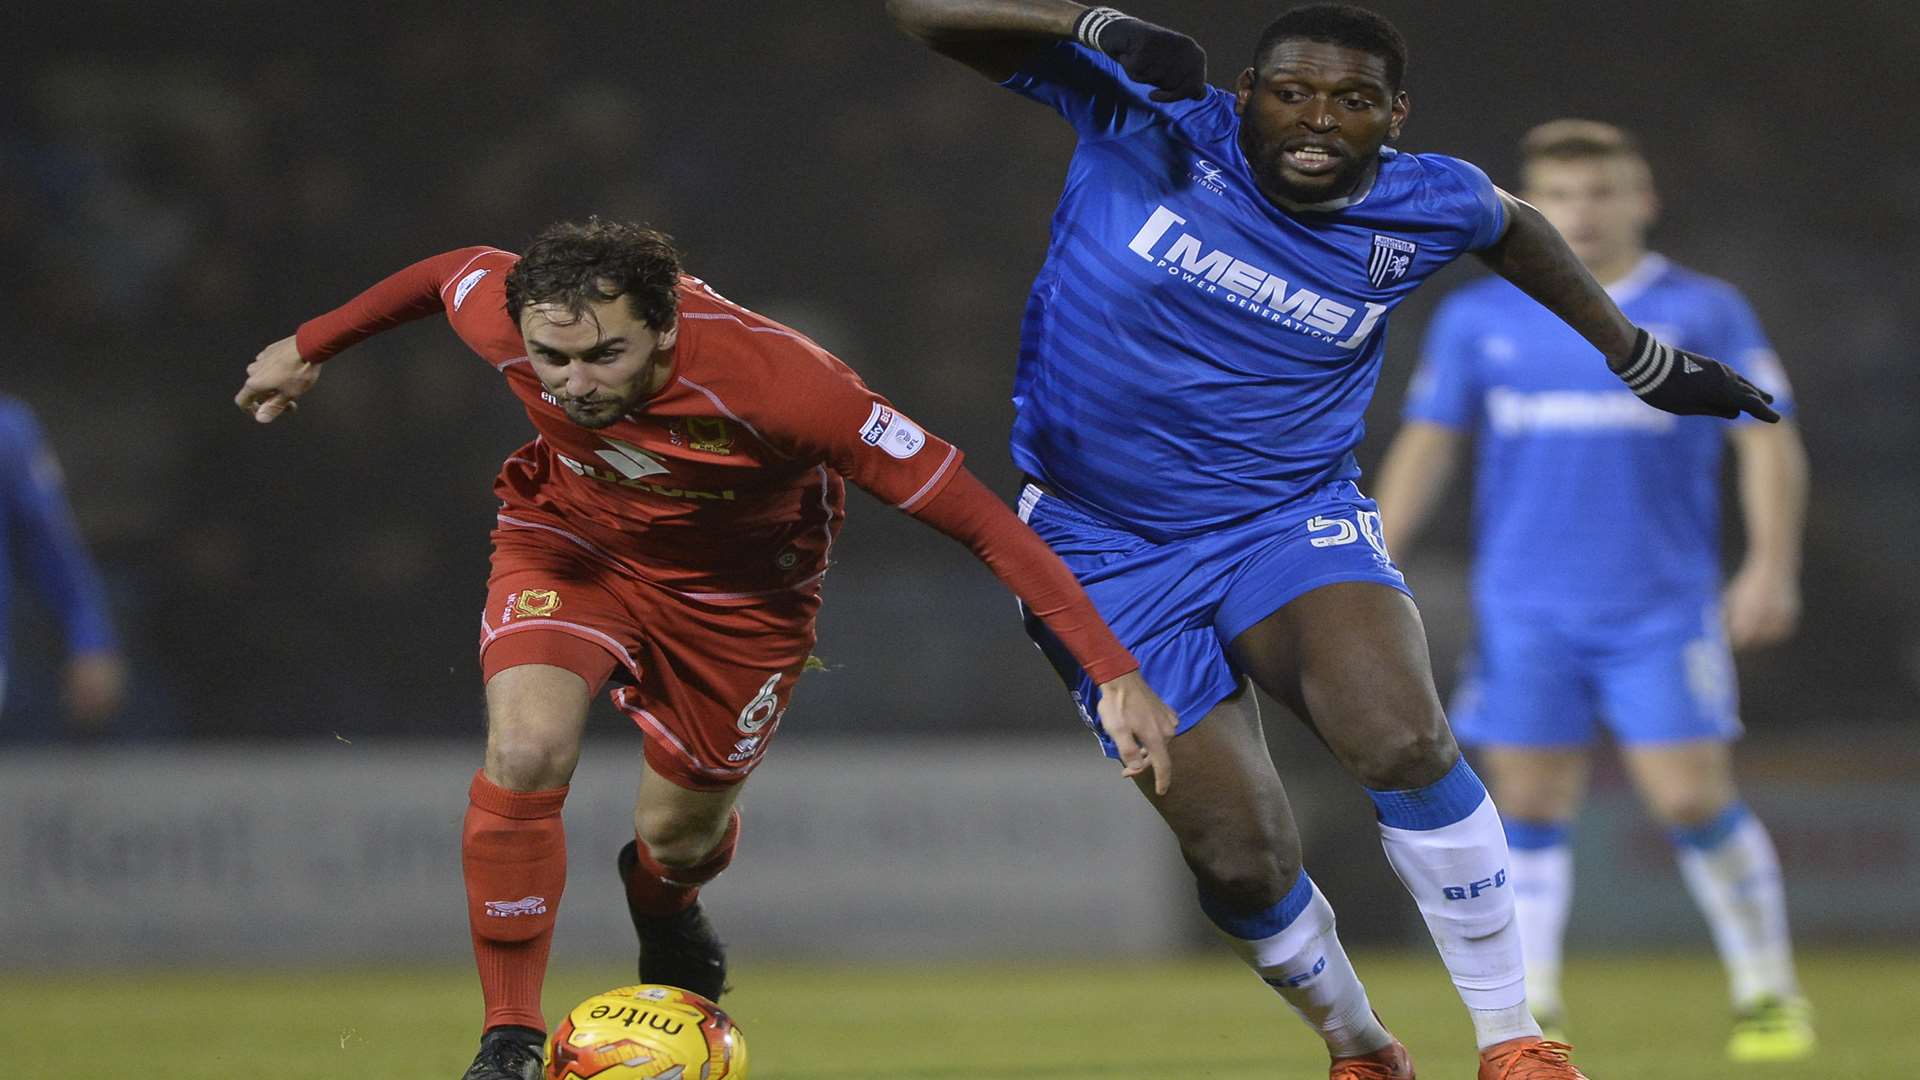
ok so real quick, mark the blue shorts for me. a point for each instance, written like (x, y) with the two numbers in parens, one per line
(1545, 678)
(1178, 605)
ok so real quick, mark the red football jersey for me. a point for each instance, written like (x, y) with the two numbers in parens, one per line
(726, 484)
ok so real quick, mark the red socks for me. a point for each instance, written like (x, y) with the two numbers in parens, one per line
(654, 889)
(513, 852)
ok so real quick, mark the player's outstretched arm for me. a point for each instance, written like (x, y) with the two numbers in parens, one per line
(1131, 713)
(994, 37)
(1411, 478)
(1533, 256)
(287, 369)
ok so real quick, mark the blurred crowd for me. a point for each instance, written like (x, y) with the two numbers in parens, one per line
(177, 192)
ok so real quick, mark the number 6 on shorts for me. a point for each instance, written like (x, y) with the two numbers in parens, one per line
(762, 708)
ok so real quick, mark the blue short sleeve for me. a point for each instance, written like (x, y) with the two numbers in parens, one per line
(1092, 93)
(1442, 391)
(1465, 195)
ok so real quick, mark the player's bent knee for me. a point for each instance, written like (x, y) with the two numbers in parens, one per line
(1242, 877)
(531, 757)
(679, 840)
(1690, 810)
(1404, 759)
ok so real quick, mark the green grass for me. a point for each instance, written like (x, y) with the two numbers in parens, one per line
(1637, 1017)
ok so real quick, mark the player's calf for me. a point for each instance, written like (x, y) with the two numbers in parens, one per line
(513, 854)
(1292, 946)
(678, 945)
(1446, 843)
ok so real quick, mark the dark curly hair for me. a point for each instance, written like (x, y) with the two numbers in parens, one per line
(1344, 25)
(575, 265)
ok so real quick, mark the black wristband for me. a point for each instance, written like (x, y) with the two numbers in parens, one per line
(1087, 28)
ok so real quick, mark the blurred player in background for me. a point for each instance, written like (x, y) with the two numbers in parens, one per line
(668, 529)
(1195, 361)
(1597, 569)
(37, 531)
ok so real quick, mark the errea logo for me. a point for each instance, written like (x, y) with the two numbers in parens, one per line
(466, 285)
(631, 461)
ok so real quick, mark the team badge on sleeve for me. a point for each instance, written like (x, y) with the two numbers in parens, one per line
(536, 602)
(1391, 259)
(892, 432)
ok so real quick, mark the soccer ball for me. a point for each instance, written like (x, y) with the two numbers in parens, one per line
(650, 1032)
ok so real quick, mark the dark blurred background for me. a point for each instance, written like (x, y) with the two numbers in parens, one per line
(181, 184)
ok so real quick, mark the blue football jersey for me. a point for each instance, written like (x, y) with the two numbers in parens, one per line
(1192, 354)
(1583, 493)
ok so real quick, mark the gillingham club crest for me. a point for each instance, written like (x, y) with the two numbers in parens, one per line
(1391, 259)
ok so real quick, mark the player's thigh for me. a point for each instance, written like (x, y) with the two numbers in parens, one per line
(551, 632)
(715, 683)
(1683, 784)
(535, 715)
(1229, 810)
(1351, 658)
(1528, 686)
(1535, 783)
(1158, 599)
(1665, 675)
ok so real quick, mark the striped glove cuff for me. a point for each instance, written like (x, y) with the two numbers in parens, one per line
(1088, 27)
(1652, 363)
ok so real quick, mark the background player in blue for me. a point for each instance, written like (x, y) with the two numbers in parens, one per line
(1597, 570)
(37, 535)
(1197, 353)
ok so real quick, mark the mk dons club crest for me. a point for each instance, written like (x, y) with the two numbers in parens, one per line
(536, 602)
(1391, 259)
(709, 435)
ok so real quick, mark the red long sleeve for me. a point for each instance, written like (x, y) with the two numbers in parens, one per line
(965, 510)
(412, 293)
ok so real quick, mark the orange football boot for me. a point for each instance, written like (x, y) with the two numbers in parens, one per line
(1528, 1058)
(1390, 1062)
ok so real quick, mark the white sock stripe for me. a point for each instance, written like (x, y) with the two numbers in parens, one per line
(1738, 888)
(1542, 881)
(1458, 875)
(1092, 22)
(1305, 964)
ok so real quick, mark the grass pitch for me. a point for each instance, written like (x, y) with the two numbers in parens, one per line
(1636, 1017)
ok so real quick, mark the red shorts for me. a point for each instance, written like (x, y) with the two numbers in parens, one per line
(706, 684)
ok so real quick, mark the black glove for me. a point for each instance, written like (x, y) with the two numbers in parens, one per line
(1677, 381)
(1148, 54)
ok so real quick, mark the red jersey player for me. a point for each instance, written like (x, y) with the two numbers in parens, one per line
(667, 529)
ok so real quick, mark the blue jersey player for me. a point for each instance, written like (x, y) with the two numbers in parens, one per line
(1597, 570)
(37, 534)
(1196, 355)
